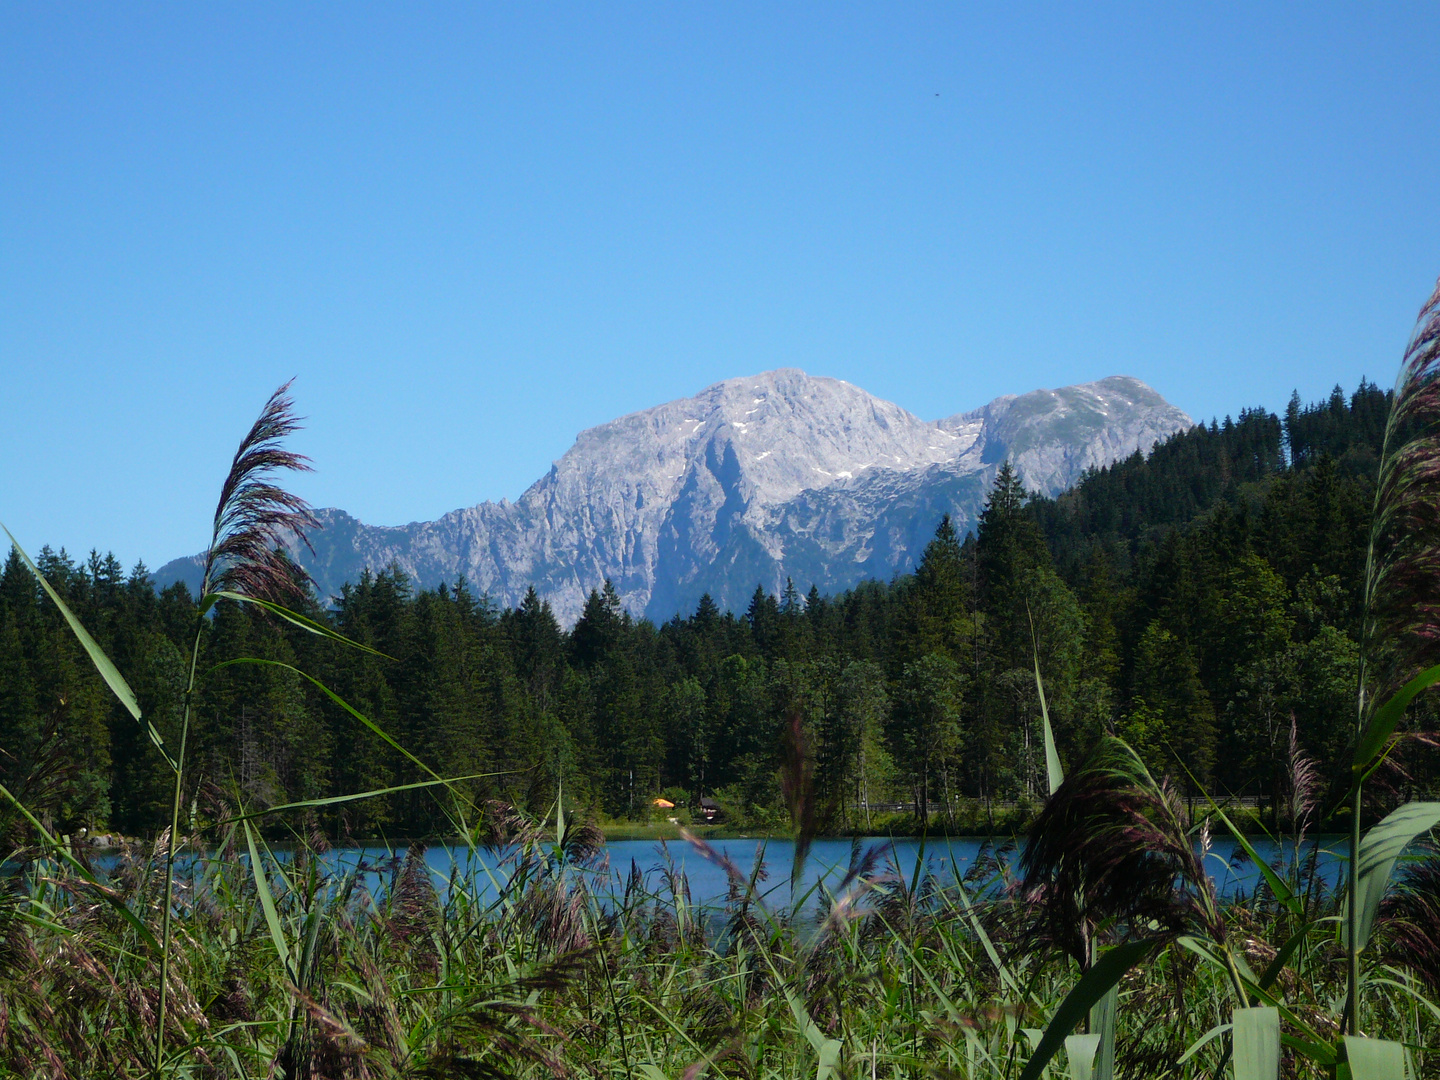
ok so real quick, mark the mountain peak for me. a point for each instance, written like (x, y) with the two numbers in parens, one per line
(751, 480)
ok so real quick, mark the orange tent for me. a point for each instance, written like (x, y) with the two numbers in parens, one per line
(664, 804)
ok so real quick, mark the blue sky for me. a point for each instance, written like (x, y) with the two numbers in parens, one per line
(471, 232)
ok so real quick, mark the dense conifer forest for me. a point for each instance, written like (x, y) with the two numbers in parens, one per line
(1195, 602)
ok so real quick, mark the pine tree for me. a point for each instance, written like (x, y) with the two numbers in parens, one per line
(1008, 544)
(538, 646)
(20, 728)
(598, 631)
(1172, 720)
(941, 595)
(927, 730)
(790, 601)
(1295, 442)
(763, 618)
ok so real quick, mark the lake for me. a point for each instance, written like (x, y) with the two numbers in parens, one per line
(826, 866)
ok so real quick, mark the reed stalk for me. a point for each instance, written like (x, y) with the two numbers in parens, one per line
(253, 520)
(1401, 595)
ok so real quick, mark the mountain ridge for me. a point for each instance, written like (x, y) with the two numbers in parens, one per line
(752, 480)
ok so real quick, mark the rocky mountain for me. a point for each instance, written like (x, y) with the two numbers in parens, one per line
(751, 481)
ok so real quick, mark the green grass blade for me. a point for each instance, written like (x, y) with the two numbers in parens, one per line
(1387, 716)
(1272, 971)
(1257, 1043)
(296, 619)
(1374, 1059)
(1313, 1045)
(923, 970)
(919, 865)
(560, 811)
(667, 1019)
(107, 670)
(1081, 1051)
(267, 905)
(1277, 884)
(1102, 1022)
(1317, 1050)
(827, 1050)
(1379, 849)
(985, 942)
(1200, 1043)
(1419, 998)
(1093, 985)
(375, 793)
(1055, 774)
(376, 728)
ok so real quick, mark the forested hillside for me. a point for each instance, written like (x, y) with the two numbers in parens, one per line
(1192, 602)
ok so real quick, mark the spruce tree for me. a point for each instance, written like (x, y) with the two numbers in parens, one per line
(941, 595)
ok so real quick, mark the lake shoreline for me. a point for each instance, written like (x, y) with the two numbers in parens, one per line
(1007, 825)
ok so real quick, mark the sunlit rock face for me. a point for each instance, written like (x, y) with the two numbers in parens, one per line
(749, 482)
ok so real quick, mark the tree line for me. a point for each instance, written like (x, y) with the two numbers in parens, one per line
(1198, 602)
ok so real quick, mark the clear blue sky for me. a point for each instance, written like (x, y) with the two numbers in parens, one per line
(472, 232)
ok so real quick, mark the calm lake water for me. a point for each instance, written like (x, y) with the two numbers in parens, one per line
(827, 864)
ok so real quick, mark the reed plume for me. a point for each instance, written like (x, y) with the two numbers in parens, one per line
(1108, 850)
(1410, 920)
(246, 556)
(415, 910)
(1401, 624)
(1302, 784)
(1402, 580)
(255, 516)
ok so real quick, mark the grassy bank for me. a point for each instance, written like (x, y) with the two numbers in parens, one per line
(281, 969)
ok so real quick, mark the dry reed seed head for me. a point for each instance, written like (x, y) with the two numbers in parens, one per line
(256, 518)
(1303, 781)
(554, 910)
(1108, 849)
(504, 827)
(584, 842)
(414, 904)
(859, 884)
(1410, 920)
(1403, 583)
(315, 838)
(334, 1031)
